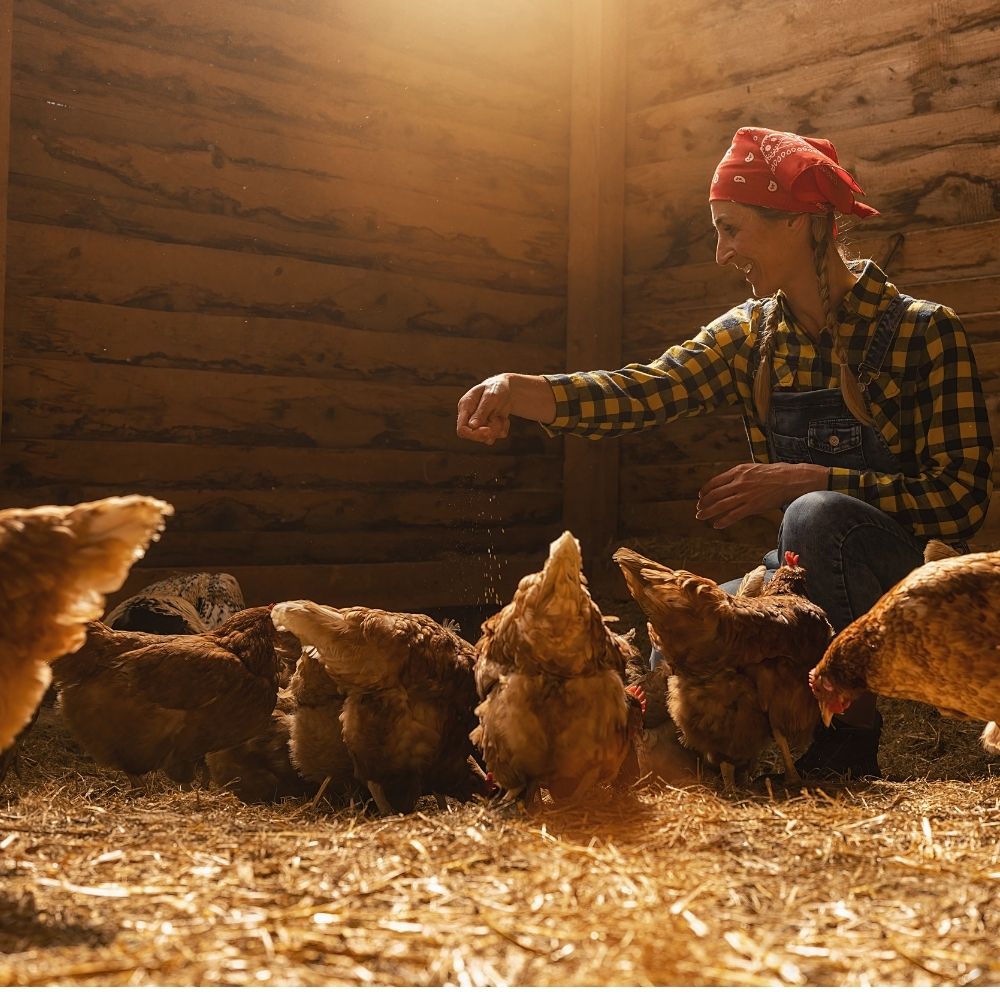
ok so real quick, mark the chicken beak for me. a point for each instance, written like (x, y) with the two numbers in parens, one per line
(827, 714)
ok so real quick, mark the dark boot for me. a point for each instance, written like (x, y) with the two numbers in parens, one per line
(841, 751)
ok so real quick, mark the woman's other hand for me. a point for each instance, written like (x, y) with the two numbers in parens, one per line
(756, 488)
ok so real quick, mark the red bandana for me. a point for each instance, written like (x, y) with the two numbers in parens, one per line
(789, 172)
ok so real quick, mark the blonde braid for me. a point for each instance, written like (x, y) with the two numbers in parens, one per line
(765, 358)
(850, 388)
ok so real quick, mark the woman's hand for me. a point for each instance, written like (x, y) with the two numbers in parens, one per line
(484, 412)
(756, 488)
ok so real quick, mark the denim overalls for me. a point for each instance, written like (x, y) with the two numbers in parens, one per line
(816, 426)
(852, 551)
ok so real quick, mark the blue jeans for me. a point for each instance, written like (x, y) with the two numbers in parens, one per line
(852, 552)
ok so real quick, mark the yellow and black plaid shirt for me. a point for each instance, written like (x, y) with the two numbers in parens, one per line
(927, 402)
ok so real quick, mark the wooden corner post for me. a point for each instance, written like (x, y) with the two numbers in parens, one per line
(596, 238)
(6, 59)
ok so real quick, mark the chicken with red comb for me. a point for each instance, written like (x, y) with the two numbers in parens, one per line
(738, 664)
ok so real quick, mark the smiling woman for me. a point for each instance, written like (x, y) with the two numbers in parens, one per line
(863, 407)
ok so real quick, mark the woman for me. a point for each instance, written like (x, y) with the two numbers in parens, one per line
(865, 414)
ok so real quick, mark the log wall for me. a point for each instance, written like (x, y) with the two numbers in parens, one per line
(258, 250)
(909, 94)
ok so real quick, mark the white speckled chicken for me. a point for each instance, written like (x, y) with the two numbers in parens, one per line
(409, 698)
(934, 637)
(56, 566)
(553, 711)
(179, 605)
(738, 665)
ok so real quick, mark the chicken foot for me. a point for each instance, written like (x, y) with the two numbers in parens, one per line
(791, 774)
(728, 770)
(378, 794)
(525, 798)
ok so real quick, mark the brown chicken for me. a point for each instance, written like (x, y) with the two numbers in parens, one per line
(260, 769)
(738, 665)
(139, 702)
(932, 638)
(56, 566)
(409, 699)
(316, 743)
(553, 709)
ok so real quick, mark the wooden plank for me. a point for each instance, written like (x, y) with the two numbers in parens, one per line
(390, 231)
(55, 399)
(97, 72)
(112, 467)
(275, 38)
(676, 47)
(470, 580)
(534, 187)
(934, 71)
(77, 264)
(398, 544)
(6, 35)
(503, 39)
(77, 330)
(289, 509)
(675, 519)
(657, 481)
(272, 42)
(594, 294)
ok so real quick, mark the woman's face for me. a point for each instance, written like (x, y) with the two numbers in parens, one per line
(771, 253)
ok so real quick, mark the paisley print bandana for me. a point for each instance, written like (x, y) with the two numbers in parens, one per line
(789, 172)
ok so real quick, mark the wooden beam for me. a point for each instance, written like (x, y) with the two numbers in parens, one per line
(6, 48)
(454, 582)
(594, 292)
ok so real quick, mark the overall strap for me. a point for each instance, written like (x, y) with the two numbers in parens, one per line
(882, 341)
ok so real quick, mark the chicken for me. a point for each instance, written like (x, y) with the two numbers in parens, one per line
(179, 605)
(316, 740)
(156, 615)
(553, 709)
(260, 769)
(934, 637)
(409, 699)
(56, 566)
(139, 702)
(659, 751)
(739, 664)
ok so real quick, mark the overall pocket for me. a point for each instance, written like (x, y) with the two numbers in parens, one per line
(836, 441)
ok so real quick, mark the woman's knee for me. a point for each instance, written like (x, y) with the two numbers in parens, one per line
(817, 511)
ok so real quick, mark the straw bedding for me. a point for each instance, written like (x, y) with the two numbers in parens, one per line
(888, 882)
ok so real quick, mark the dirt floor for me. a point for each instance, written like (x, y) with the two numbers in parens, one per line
(890, 882)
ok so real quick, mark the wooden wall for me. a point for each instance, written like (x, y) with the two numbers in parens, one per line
(258, 249)
(909, 93)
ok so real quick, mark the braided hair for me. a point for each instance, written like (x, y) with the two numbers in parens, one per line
(821, 232)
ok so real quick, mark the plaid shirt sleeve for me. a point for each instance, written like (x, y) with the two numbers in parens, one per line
(690, 378)
(944, 434)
